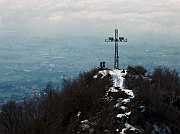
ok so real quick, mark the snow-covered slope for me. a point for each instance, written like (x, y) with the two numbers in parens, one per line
(118, 77)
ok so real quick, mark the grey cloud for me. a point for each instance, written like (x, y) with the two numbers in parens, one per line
(155, 16)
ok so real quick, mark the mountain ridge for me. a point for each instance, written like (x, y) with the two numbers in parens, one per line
(101, 101)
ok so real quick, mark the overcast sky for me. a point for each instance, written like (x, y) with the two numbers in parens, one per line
(51, 17)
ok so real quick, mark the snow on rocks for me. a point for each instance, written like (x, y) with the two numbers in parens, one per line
(129, 127)
(125, 100)
(123, 107)
(103, 73)
(124, 115)
(79, 113)
(129, 92)
(118, 78)
(85, 124)
(112, 89)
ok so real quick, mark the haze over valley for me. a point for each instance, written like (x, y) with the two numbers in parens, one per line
(28, 64)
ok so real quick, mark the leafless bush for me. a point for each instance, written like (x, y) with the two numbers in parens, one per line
(159, 94)
(56, 112)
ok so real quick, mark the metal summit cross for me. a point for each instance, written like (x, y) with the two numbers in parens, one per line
(116, 40)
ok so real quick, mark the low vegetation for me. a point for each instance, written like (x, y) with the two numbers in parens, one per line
(159, 92)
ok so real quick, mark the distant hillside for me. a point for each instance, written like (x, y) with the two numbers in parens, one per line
(101, 101)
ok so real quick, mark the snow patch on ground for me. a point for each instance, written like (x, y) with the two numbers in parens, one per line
(85, 125)
(123, 115)
(129, 92)
(123, 107)
(118, 78)
(112, 89)
(130, 127)
(79, 113)
(103, 73)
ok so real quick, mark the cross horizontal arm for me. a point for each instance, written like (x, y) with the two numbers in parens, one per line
(116, 40)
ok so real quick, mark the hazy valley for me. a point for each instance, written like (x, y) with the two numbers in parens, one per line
(28, 64)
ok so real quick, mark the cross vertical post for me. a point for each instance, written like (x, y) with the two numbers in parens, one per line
(116, 40)
(116, 56)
